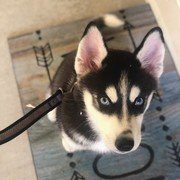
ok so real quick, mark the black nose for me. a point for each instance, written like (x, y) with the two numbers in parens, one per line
(124, 144)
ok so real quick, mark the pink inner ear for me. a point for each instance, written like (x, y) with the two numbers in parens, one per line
(91, 52)
(151, 54)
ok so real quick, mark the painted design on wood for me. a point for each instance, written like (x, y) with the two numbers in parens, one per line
(123, 175)
(44, 57)
(175, 153)
(174, 148)
(77, 176)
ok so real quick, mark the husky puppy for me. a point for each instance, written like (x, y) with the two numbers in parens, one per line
(109, 92)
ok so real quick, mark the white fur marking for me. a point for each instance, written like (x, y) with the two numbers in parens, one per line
(108, 127)
(134, 93)
(112, 93)
(148, 101)
(52, 114)
(69, 145)
(136, 123)
(81, 139)
(112, 20)
(123, 89)
(136, 130)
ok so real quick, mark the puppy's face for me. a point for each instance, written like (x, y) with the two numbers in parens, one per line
(118, 86)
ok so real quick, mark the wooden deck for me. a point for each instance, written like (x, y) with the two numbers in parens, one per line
(159, 157)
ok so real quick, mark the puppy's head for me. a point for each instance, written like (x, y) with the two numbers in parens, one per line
(118, 86)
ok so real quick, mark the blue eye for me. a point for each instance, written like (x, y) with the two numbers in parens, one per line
(138, 101)
(104, 101)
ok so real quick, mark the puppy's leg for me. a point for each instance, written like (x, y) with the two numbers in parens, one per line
(52, 114)
(69, 145)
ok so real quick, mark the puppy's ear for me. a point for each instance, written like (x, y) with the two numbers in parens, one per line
(91, 51)
(151, 52)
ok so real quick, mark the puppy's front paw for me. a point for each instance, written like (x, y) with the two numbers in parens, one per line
(67, 146)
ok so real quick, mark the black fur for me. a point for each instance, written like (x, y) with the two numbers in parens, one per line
(116, 64)
(73, 117)
(68, 114)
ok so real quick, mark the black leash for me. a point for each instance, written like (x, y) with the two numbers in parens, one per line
(31, 117)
